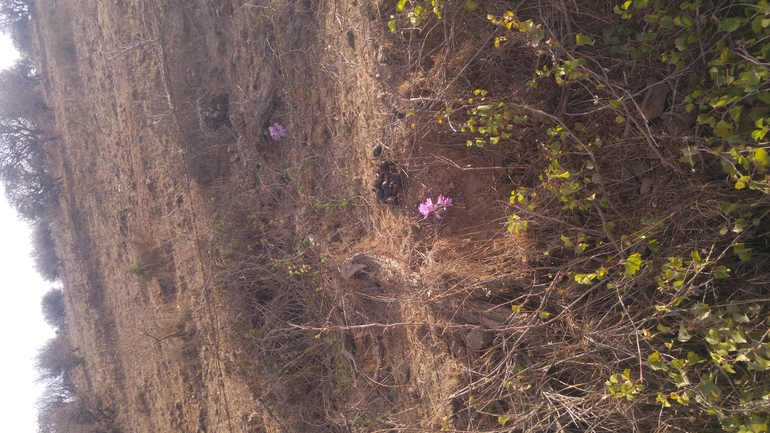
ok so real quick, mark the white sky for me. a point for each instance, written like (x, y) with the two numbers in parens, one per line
(22, 329)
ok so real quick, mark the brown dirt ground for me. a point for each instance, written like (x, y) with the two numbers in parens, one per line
(157, 273)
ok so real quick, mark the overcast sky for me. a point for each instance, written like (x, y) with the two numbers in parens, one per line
(22, 329)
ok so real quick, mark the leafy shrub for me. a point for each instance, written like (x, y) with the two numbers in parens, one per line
(45, 259)
(54, 312)
(56, 358)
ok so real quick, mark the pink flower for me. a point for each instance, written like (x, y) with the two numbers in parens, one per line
(427, 207)
(437, 209)
(277, 131)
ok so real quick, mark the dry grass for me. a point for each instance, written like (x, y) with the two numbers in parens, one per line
(279, 269)
(412, 321)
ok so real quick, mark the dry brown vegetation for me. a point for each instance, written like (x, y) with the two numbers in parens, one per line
(217, 280)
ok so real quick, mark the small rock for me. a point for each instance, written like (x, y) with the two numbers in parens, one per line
(646, 186)
(383, 56)
(639, 167)
(387, 189)
(477, 339)
(377, 151)
(379, 193)
(383, 71)
(395, 180)
(654, 101)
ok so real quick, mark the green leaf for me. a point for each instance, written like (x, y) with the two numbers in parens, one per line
(471, 5)
(392, 26)
(759, 364)
(729, 424)
(742, 252)
(633, 264)
(651, 18)
(688, 153)
(681, 44)
(757, 424)
(730, 24)
(614, 103)
(738, 336)
(608, 227)
(729, 208)
(503, 419)
(544, 315)
(666, 22)
(706, 386)
(693, 358)
(741, 182)
(653, 245)
(740, 224)
(656, 363)
(723, 129)
(581, 39)
(721, 272)
(760, 158)
(701, 311)
(580, 248)
(680, 381)
(400, 5)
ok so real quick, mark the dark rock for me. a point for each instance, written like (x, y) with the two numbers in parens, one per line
(213, 111)
(478, 339)
(395, 180)
(377, 151)
(387, 189)
(654, 102)
(379, 193)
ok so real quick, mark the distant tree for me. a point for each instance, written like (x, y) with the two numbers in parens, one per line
(13, 11)
(29, 190)
(54, 312)
(44, 256)
(56, 358)
(20, 91)
(54, 398)
(28, 187)
(82, 412)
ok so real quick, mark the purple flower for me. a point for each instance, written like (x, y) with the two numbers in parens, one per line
(277, 131)
(436, 209)
(427, 207)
